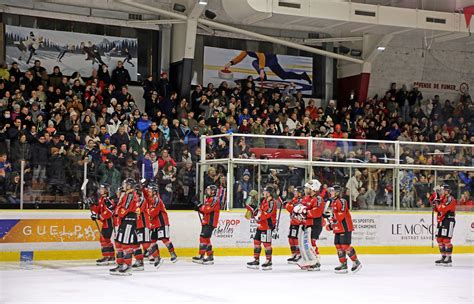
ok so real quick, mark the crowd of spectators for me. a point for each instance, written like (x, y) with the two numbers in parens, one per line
(59, 124)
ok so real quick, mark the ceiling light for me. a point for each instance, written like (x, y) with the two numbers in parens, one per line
(203, 2)
(381, 48)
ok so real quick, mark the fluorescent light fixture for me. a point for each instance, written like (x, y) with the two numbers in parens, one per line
(203, 2)
(381, 48)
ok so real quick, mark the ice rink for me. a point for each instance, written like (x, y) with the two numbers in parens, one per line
(383, 279)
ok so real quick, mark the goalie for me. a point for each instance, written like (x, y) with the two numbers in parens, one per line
(310, 211)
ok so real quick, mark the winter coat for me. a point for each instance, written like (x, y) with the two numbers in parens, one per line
(39, 154)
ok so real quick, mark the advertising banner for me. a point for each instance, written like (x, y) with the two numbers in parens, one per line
(71, 52)
(235, 231)
(278, 70)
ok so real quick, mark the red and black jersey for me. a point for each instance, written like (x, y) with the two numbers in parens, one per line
(210, 211)
(105, 210)
(341, 221)
(446, 206)
(129, 203)
(268, 213)
(156, 210)
(290, 206)
(314, 210)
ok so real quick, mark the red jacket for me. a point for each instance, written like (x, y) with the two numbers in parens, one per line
(210, 211)
(341, 221)
(445, 206)
(104, 209)
(290, 206)
(268, 213)
(156, 211)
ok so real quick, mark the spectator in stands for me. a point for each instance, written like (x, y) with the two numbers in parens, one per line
(120, 76)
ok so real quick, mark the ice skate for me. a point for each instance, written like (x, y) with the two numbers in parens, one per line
(158, 262)
(173, 258)
(448, 262)
(198, 259)
(209, 260)
(341, 268)
(125, 270)
(440, 261)
(356, 266)
(253, 265)
(105, 261)
(151, 260)
(114, 271)
(293, 259)
(267, 265)
(138, 266)
(315, 267)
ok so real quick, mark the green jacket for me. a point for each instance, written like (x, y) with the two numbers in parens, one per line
(111, 177)
(137, 147)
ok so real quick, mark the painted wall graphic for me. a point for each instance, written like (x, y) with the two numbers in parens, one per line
(72, 52)
(278, 70)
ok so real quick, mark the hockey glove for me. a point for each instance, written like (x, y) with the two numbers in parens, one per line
(95, 217)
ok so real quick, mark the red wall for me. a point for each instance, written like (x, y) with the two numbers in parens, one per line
(359, 83)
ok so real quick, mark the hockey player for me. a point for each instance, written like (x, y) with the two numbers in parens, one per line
(295, 223)
(128, 211)
(209, 215)
(445, 207)
(143, 231)
(311, 210)
(265, 216)
(159, 225)
(341, 224)
(103, 211)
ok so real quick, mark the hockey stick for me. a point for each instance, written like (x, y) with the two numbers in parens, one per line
(85, 201)
(432, 227)
(279, 213)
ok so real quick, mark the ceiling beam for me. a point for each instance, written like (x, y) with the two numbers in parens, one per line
(322, 40)
(156, 21)
(234, 29)
(365, 27)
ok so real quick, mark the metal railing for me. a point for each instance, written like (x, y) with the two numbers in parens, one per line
(308, 153)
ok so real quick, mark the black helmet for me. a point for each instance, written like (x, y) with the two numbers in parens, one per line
(153, 187)
(300, 189)
(129, 182)
(446, 187)
(270, 190)
(337, 189)
(212, 189)
(105, 186)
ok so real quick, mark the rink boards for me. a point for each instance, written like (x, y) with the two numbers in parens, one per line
(69, 235)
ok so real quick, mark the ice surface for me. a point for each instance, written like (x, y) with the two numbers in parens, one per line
(383, 279)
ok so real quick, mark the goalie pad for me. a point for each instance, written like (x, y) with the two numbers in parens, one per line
(308, 255)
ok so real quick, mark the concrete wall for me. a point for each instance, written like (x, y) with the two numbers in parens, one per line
(405, 61)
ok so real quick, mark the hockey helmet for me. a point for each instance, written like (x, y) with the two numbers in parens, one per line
(104, 186)
(153, 187)
(211, 190)
(315, 185)
(299, 190)
(129, 183)
(270, 190)
(446, 187)
(336, 189)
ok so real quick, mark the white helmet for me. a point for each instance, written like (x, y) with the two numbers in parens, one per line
(315, 185)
